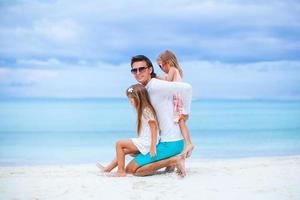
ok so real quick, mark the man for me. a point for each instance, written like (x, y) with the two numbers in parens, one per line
(161, 97)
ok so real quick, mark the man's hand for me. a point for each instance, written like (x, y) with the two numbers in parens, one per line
(184, 117)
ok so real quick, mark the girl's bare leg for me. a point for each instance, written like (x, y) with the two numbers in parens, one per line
(113, 163)
(186, 135)
(109, 167)
(123, 147)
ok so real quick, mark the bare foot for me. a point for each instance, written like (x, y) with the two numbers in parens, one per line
(101, 167)
(170, 169)
(181, 167)
(116, 174)
(188, 150)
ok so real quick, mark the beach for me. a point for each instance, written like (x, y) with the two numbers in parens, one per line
(244, 150)
(78, 78)
(246, 178)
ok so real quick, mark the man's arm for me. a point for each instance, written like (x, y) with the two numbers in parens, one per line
(166, 88)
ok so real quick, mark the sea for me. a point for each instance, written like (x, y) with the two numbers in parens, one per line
(79, 131)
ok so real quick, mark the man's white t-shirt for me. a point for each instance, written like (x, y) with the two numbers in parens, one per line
(161, 96)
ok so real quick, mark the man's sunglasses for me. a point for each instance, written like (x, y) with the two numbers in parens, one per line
(139, 69)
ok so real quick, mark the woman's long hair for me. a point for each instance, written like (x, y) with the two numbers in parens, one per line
(141, 99)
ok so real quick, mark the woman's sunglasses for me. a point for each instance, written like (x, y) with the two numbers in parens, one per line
(139, 69)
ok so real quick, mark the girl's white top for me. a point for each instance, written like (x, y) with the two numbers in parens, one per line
(143, 142)
(161, 96)
(177, 75)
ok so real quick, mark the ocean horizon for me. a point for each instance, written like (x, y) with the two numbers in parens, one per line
(38, 131)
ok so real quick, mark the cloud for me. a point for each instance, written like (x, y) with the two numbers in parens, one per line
(21, 84)
(64, 31)
(261, 80)
(39, 63)
(228, 48)
(230, 31)
(75, 81)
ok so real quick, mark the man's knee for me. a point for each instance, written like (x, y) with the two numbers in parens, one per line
(129, 170)
(132, 167)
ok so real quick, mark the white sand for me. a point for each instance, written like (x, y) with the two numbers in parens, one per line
(255, 178)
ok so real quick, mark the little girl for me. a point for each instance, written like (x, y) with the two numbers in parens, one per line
(168, 63)
(147, 131)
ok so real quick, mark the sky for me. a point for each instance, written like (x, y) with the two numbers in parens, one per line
(228, 49)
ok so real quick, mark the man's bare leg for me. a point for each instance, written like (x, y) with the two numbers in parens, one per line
(148, 169)
(131, 167)
(170, 169)
(181, 166)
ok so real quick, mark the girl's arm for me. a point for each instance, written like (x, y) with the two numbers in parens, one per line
(160, 78)
(170, 76)
(153, 128)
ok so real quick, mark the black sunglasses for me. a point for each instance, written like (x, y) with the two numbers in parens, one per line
(139, 69)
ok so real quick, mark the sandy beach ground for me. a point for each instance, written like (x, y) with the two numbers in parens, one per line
(250, 178)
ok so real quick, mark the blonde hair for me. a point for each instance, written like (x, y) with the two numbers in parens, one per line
(141, 99)
(170, 58)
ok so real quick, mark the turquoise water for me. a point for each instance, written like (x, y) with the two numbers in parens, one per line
(83, 131)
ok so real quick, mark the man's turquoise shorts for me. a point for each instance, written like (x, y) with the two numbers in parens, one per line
(163, 150)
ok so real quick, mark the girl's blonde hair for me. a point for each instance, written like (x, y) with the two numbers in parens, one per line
(141, 99)
(168, 57)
